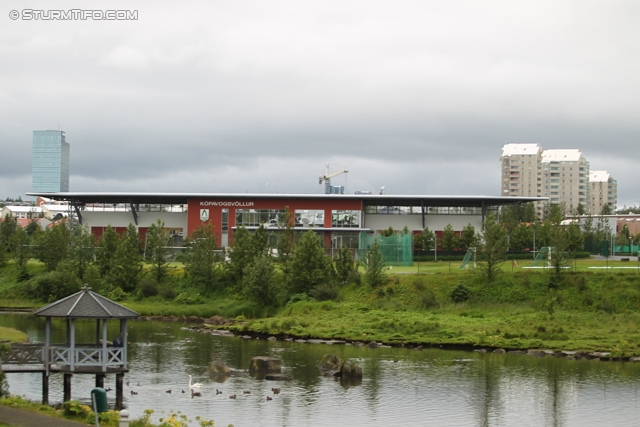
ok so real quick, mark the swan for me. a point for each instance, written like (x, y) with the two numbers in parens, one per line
(196, 385)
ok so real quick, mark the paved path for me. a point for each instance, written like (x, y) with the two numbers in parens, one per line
(22, 418)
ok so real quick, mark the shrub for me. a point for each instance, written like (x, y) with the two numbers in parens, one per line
(428, 299)
(55, 285)
(117, 294)
(148, 288)
(325, 292)
(298, 297)
(184, 298)
(167, 292)
(460, 294)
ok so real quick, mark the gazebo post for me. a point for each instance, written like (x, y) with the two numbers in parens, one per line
(104, 345)
(45, 388)
(123, 331)
(72, 346)
(67, 386)
(119, 389)
(100, 380)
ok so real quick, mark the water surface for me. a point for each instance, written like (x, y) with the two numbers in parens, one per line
(400, 386)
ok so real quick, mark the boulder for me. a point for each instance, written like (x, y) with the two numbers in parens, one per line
(265, 364)
(278, 377)
(499, 351)
(218, 367)
(350, 369)
(330, 364)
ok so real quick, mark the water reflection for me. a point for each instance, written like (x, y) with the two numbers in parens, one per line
(399, 387)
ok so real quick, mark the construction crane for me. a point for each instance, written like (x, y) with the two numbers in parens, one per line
(328, 188)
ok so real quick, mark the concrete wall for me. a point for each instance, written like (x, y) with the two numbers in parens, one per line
(145, 219)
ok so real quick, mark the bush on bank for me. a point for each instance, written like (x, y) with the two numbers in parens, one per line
(595, 310)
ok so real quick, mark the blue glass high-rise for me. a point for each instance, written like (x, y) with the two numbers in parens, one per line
(50, 161)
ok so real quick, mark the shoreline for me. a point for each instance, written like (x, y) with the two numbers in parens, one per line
(217, 325)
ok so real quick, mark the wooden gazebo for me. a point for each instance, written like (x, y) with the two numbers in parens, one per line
(98, 358)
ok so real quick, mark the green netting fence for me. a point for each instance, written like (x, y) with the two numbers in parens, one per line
(396, 250)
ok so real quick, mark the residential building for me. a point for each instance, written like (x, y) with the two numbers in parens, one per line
(521, 171)
(603, 190)
(565, 178)
(561, 175)
(50, 161)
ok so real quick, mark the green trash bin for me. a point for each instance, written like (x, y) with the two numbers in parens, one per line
(99, 399)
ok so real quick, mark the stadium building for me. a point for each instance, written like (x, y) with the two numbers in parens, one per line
(342, 220)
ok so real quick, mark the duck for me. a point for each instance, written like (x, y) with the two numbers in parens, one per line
(247, 392)
(218, 392)
(233, 396)
(269, 398)
(195, 393)
(168, 391)
(276, 390)
(133, 393)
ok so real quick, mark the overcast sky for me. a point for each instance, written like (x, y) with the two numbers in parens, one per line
(257, 96)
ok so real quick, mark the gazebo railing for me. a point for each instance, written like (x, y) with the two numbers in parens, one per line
(87, 356)
(80, 356)
(24, 354)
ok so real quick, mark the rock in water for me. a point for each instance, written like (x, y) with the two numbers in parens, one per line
(350, 369)
(218, 367)
(265, 364)
(330, 364)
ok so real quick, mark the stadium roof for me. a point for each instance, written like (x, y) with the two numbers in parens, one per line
(84, 198)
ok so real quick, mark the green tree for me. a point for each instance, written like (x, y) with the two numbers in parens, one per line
(127, 265)
(449, 241)
(560, 257)
(555, 213)
(530, 213)
(246, 248)
(7, 229)
(157, 253)
(258, 281)
(521, 237)
(106, 250)
(53, 245)
(21, 252)
(308, 266)
(606, 210)
(492, 249)
(286, 236)
(80, 249)
(425, 240)
(345, 265)
(374, 266)
(468, 237)
(203, 258)
(388, 232)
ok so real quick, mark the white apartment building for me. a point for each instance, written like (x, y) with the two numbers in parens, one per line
(565, 178)
(562, 175)
(521, 171)
(603, 190)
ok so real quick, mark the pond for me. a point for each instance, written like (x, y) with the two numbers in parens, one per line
(400, 386)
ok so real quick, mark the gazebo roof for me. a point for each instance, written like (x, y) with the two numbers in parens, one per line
(88, 305)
